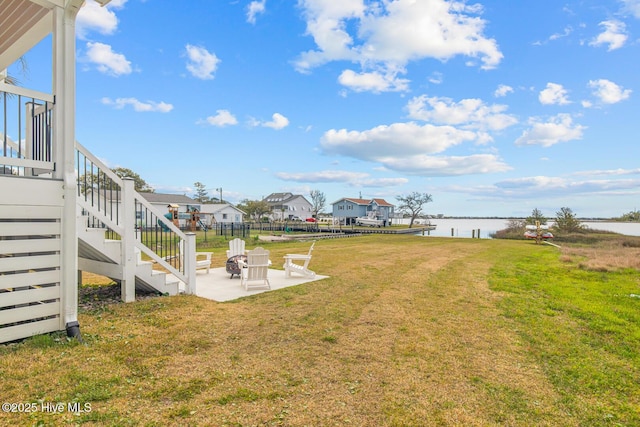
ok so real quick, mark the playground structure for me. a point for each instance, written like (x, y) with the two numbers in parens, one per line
(192, 219)
(195, 219)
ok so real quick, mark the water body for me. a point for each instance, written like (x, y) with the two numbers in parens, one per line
(468, 227)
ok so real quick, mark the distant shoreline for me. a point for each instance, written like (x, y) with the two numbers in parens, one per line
(514, 217)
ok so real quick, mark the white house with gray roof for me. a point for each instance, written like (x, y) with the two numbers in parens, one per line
(288, 206)
(221, 213)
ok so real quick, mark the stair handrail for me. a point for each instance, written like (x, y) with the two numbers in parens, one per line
(181, 272)
(184, 269)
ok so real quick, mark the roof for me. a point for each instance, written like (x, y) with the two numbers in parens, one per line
(217, 207)
(382, 202)
(282, 198)
(179, 199)
(278, 197)
(23, 25)
(364, 202)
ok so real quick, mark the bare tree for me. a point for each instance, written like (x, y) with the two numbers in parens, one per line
(413, 203)
(318, 200)
(13, 80)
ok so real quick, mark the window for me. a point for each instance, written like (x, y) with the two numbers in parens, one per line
(224, 216)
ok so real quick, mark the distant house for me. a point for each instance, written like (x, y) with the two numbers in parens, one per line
(221, 213)
(286, 206)
(162, 201)
(346, 210)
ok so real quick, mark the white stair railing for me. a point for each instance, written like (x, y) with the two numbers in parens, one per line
(113, 204)
(27, 116)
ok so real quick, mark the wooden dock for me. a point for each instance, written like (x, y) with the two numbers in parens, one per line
(336, 233)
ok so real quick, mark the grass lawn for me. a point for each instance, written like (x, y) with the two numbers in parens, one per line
(407, 331)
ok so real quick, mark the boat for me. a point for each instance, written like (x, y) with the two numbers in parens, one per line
(369, 220)
(538, 232)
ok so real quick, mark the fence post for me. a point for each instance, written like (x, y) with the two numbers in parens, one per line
(128, 256)
(189, 257)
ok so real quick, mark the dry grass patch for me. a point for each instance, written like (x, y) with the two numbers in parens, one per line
(607, 255)
(405, 332)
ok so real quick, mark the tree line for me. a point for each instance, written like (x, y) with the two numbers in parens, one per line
(565, 220)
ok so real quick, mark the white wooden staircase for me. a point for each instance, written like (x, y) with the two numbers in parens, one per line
(117, 228)
(100, 255)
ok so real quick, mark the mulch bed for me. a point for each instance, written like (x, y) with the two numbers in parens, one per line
(92, 298)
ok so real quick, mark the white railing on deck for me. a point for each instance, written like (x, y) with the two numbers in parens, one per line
(113, 204)
(26, 137)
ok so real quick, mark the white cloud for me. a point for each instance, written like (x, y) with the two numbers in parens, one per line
(567, 31)
(471, 113)
(322, 176)
(373, 82)
(106, 60)
(502, 91)
(410, 148)
(353, 179)
(93, 17)
(381, 182)
(278, 122)
(202, 63)
(424, 165)
(550, 187)
(255, 8)
(537, 186)
(387, 35)
(436, 78)
(610, 172)
(608, 92)
(221, 119)
(398, 139)
(554, 94)
(139, 106)
(559, 128)
(632, 6)
(614, 35)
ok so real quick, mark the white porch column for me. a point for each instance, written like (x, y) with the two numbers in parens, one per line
(64, 90)
(189, 257)
(128, 259)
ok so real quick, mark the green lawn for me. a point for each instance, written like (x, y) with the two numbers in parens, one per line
(407, 331)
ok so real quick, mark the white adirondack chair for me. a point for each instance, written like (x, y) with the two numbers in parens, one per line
(290, 265)
(203, 259)
(236, 247)
(256, 269)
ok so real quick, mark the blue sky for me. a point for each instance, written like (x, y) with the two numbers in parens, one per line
(494, 108)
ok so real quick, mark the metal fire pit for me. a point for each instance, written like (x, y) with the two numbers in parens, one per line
(232, 265)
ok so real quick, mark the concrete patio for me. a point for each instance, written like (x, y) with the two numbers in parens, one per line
(218, 286)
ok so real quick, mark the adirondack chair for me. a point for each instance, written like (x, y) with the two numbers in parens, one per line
(203, 259)
(236, 247)
(255, 269)
(303, 268)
